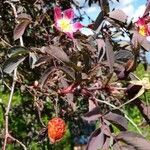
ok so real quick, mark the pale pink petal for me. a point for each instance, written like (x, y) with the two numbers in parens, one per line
(140, 22)
(77, 26)
(148, 28)
(148, 38)
(57, 13)
(69, 34)
(57, 27)
(69, 14)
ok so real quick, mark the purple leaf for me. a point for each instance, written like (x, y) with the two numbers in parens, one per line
(135, 140)
(144, 109)
(109, 54)
(106, 130)
(98, 20)
(122, 56)
(20, 28)
(117, 120)
(42, 60)
(12, 63)
(147, 10)
(57, 52)
(138, 39)
(96, 140)
(68, 71)
(106, 143)
(118, 15)
(92, 104)
(45, 76)
(121, 146)
(24, 16)
(69, 96)
(93, 115)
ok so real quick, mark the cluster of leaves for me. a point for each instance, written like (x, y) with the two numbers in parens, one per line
(89, 78)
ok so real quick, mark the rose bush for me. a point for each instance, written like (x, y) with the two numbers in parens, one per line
(61, 72)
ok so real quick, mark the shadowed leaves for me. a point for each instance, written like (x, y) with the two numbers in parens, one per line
(109, 54)
(117, 120)
(144, 109)
(96, 140)
(12, 63)
(93, 115)
(57, 52)
(118, 15)
(135, 140)
(18, 55)
(138, 39)
(20, 28)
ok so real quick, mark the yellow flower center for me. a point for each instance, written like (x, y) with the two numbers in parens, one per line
(142, 30)
(64, 25)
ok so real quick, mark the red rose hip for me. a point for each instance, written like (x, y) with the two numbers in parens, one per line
(56, 129)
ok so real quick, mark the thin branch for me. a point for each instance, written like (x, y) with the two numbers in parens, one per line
(132, 122)
(131, 100)
(8, 109)
(5, 42)
(126, 116)
(7, 85)
(7, 135)
(14, 139)
(107, 103)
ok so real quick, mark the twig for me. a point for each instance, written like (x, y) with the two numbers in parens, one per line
(131, 121)
(5, 42)
(126, 116)
(14, 139)
(8, 109)
(131, 100)
(7, 85)
(7, 135)
(107, 103)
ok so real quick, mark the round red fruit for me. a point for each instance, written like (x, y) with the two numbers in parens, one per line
(56, 129)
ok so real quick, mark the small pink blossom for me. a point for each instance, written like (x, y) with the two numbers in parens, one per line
(143, 26)
(64, 21)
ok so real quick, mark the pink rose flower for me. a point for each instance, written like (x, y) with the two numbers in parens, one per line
(143, 26)
(64, 21)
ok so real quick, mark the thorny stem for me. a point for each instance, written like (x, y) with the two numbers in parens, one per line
(7, 135)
